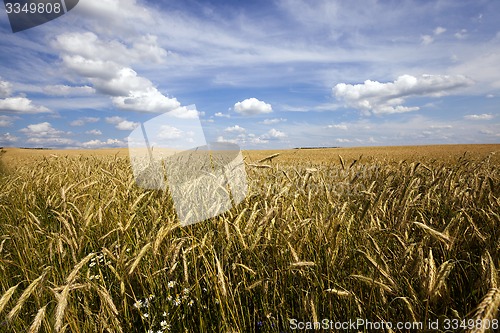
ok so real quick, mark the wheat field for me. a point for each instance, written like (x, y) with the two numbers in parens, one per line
(387, 234)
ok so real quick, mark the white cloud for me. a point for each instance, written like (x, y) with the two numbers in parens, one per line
(94, 132)
(441, 126)
(44, 129)
(6, 121)
(114, 13)
(185, 112)
(426, 39)
(340, 140)
(100, 144)
(235, 129)
(439, 31)
(272, 121)
(64, 90)
(148, 100)
(124, 83)
(126, 125)
(252, 106)
(170, 132)
(385, 98)
(89, 46)
(462, 34)
(258, 141)
(274, 134)
(91, 68)
(5, 89)
(220, 114)
(21, 105)
(7, 138)
(484, 116)
(114, 120)
(54, 141)
(84, 120)
(223, 139)
(338, 126)
(106, 64)
(121, 123)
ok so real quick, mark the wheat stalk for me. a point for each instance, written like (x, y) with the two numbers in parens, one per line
(487, 309)
(26, 294)
(37, 322)
(6, 297)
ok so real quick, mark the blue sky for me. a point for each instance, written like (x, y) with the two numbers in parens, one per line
(262, 74)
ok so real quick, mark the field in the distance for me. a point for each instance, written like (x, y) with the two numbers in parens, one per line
(315, 155)
(394, 234)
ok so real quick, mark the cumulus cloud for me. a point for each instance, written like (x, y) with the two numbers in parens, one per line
(426, 39)
(439, 31)
(100, 144)
(126, 125)
(44, 134)
(94, 132)
(51, 141)
(338, 126)
(235, 129)
(274, 134)
(168, 132)
(272, 121)
(44, 129)
(84, 120)
(64, 90)
(220, 114)
(89, 46)
(484, 116)
(21, 105)
(252, 106)
(7, 138)
(386, 98)
(6, 121)
(147, 100)
(462, 34)
(106, 64)
(114, 12)
(222, 139)
(5, 89)
(122, 123)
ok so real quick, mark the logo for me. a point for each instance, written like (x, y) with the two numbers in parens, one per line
(204, 179)
(25, 14)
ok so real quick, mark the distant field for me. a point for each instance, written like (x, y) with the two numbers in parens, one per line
(393, 234)
(314, 156)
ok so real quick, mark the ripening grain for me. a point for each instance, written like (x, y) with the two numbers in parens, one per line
(394, 234)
